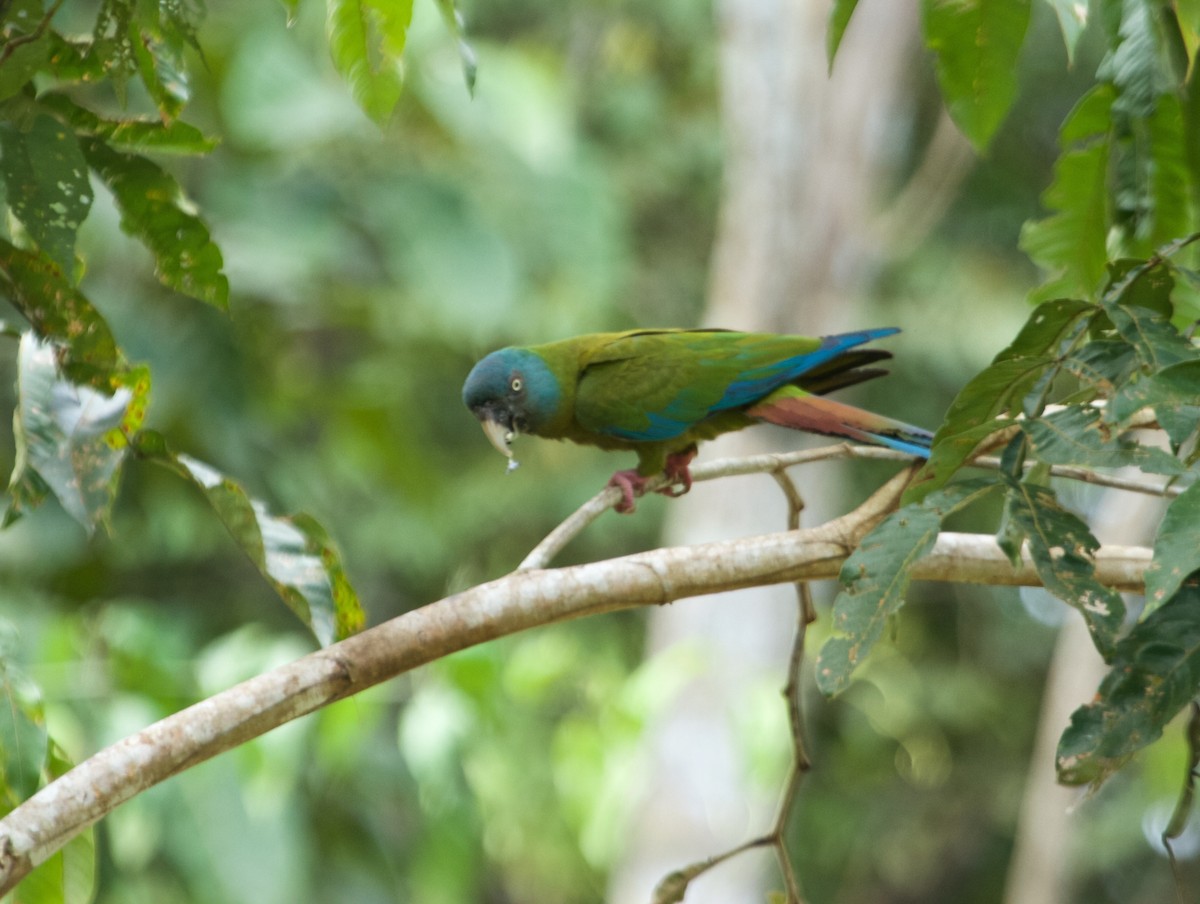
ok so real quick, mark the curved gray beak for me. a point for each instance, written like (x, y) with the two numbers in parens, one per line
(498, 435)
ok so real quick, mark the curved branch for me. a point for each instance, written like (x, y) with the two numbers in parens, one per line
(49, 819)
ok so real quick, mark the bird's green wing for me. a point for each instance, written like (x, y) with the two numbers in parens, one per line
(652, 386)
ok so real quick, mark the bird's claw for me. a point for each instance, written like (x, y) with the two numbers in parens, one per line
(632, 484)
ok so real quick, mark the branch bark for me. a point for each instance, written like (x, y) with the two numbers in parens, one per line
(49, 819)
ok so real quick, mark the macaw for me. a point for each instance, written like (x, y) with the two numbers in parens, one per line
(659, 392)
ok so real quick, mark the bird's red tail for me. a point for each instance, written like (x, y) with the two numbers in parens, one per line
(794, 408)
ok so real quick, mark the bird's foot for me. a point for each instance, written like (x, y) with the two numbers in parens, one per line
(678, 475)
(631, 484)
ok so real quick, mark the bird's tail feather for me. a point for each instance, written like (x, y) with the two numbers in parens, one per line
(794, 408)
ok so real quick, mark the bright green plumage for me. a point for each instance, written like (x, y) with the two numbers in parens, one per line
(659, 392)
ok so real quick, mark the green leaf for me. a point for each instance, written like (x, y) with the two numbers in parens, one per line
(1061, 547)
(876, 577)
(839, 17)
(294, 554)
(978, 410)
(1137, 62)
(977, 43)
(1072, 20)
(160, 67)
(366, 38)
(133, 134)
(1173, 393)
(1078, 436)
(70, 433)
(1070, 243)
(154, 210)
(1176, 549)
(1155, 673)
(46, 178)
(1102, 365)
(454, 22)
(1155, 339)
(57, 310)
(24, 744)
(26, 47)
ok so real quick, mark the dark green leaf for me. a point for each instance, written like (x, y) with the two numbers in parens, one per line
(71, 433)
(876, 577)
(47, 182)
(56, 310)
(1155, 673)
(839, 17)
(453, 19)
(1173, 393)
(1061, 547)
(1070, 243)
(977, 43)
(24, 44)
(1155, 339)
(1137, 64)
(154, 210)
(366, 38)
(977, 411)
(1176, 548)
(161, 70)
(132, 134)
(1135, 283)
(1102, 365)
(1078, 436)
(294, 554)
(974, 417)
(1166, 208)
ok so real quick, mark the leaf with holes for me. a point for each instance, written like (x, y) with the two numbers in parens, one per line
(154, 210)
(1155, 673)
(57, 310)
(876, 577)
(1062, 547)
(46, 178)
(1077, 436)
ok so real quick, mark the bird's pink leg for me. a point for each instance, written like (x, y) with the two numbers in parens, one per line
(677, 472)
(631, 484)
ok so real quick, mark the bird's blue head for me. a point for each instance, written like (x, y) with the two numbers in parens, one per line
(511, 391)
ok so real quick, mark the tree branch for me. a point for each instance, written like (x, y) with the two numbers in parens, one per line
(49, 819)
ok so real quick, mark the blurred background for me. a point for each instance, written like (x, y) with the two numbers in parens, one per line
(607, 174)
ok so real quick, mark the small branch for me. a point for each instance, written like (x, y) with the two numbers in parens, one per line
(554, 542)
(10, 47)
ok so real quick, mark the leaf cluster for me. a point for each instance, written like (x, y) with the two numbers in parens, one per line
(1107, 342)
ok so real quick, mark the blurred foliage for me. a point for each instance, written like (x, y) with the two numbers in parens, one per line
(365, 260)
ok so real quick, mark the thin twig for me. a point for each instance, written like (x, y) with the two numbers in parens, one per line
(10, 47)
(674, 885)
(792, 693)
(554, 542)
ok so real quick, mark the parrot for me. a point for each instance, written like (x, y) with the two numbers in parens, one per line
(659, 392)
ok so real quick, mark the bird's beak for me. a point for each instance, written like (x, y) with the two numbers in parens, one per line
(498, 435)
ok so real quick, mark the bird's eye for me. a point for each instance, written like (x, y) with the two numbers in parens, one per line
(517, 384)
